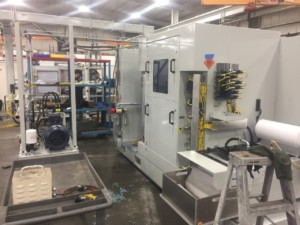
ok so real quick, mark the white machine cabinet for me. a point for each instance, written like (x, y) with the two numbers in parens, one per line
(178, 66)
(161, 91)
(171, 59)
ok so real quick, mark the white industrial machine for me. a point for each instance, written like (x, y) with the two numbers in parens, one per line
(187, 103)
(216, 86)
(204, 89)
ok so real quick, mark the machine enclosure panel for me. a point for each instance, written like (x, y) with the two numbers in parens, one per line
(130, 97)
(255, 51)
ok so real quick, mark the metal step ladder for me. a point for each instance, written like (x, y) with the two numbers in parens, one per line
(249, 212)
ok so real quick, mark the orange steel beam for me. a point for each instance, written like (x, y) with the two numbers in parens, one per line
(247, 2)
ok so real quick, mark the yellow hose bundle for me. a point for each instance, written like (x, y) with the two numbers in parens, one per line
(9, 102)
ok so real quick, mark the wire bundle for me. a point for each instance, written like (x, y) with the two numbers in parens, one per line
(229, 84)
(202, 121)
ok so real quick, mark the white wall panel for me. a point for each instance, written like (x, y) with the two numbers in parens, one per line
(287, 109)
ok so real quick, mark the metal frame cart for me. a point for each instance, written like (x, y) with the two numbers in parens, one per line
(104, 127)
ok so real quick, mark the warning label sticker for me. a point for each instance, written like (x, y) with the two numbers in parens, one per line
(209, 60)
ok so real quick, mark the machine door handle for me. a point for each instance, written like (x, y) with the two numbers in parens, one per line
(170, 117)
(172, 66)
(147, 66)
(147, 111)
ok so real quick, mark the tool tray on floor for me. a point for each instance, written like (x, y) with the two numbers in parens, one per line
(67, 170)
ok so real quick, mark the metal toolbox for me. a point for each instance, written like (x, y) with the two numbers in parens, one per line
(32, 183)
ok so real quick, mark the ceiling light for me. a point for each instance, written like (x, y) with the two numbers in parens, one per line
(157, 3)
(15, 2)
(84, 9)
(135, 15)
(162, 2)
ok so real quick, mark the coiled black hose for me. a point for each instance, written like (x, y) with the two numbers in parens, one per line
(38, 123)
(45, 99)
(230, 140)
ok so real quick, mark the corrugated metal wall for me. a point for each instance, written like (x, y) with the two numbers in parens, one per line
(287, 21)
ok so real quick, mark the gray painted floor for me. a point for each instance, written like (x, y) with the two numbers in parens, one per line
(136, 199)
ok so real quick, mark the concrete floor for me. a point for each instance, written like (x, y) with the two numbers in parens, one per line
(136, 199)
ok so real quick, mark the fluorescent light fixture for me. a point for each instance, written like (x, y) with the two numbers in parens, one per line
(157, 3)
(135, 15)
(84, 9)
(15, 2)
(161, 2)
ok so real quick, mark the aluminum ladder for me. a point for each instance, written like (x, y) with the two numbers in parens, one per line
(248, 212)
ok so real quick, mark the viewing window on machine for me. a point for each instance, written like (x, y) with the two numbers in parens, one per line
(160, 76)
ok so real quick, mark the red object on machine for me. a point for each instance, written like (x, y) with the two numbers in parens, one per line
(250, 8)
(113, 110)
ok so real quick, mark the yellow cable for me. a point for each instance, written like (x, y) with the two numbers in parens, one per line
(229, 88)
(208, 126)
(238, 78)
(224, 78)
(275, 144)
(229, 108)
(9, 102)
(245, 73)
(201, 134)
(225, 74)
(243, 85)
(201, 126)
(227, 84)
(7, 125)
